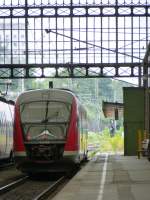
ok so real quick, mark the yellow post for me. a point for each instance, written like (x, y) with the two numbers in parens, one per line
(139, 143)
(145, 135)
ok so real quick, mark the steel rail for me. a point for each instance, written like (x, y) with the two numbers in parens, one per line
(6, 165)
(12, 185)
(48, 190)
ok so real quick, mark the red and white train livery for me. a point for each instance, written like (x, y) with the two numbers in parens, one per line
(50, 132)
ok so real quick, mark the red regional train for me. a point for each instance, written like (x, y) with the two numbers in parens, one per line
(6, 129)
(50, 131)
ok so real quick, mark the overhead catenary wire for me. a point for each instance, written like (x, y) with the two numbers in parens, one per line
(94, 45)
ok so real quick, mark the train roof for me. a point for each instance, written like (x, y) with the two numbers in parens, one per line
(46, 94)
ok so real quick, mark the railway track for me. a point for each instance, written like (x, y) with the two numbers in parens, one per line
(26, 188)
(4, 165)
(50, 189)
(12, 185)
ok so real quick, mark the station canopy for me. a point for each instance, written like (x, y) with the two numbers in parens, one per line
(113, 109)
(74, 38)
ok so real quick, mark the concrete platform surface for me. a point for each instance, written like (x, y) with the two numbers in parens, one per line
(110, 177)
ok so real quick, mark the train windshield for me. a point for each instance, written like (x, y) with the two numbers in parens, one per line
(45, 120)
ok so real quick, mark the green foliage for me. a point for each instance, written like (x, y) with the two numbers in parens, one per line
(105, 143)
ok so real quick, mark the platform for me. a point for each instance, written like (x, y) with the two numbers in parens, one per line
(110, 177)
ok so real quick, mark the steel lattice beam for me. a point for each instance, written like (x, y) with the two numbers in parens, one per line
(104, 70)
(75, 11)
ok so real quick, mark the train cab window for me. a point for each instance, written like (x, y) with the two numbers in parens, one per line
(58, 111)
(32, 112)
(45, 111)
(45, 120)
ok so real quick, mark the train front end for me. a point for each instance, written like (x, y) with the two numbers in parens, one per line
(43, 120)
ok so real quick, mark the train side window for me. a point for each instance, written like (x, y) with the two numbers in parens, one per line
(79, 124)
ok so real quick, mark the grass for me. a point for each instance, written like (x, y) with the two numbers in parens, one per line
(103, 142)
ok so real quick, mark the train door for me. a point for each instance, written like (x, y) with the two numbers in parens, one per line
(79, 135)
(80, 130)
(84, 133)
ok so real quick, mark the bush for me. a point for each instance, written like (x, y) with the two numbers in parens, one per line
(103, 142)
